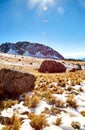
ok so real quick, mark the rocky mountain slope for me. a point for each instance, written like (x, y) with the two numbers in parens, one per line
(30, 49)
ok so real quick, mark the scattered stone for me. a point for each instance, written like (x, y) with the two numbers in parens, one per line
(75, 67)
(73, 70)
(78, 67)
(76, 125)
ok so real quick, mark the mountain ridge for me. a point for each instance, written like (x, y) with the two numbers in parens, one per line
(30, 49)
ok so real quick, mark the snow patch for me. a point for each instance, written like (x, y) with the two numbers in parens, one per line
(27, 53)
(41, 107)
(11, 51)
(26, 125)
(38, 54)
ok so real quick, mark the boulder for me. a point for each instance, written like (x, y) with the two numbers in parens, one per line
(83, 66)
(51, 66)
(78, 67)
(75, 68)
(13, 83)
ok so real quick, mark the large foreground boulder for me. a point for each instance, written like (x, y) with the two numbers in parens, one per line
(14, 83)
(52, 66)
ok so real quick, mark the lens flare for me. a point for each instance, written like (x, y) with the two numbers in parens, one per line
(41, 3)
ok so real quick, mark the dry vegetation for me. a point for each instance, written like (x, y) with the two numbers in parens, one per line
(58, 121)
(46, 87)
(37, 121)
(12, 124)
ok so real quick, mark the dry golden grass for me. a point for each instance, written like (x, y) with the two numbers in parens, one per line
(46, 94)
(33, 101)
(7, 103)
(12, 123)
(25, 98)
(57, 90)
(58, 121)
(60, 103)
(83, 113)
(15, 122)
(78, 81)
(52, 100)
(71, 101)
(6, 128)
(37, 121)
(54, 111)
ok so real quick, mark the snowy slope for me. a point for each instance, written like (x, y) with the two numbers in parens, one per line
(30, 49)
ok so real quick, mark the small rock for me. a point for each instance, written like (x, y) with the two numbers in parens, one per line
(76, 125)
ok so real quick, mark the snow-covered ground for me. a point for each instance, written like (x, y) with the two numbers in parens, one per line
(68, 114)
(61, 109)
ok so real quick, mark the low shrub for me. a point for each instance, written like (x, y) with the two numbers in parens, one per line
(7, 103)
(54, 111)
(58, 121)
(71, 102)
(38, 121)
(6, 128)
(33, 101)
(15, 122)
(83, 113)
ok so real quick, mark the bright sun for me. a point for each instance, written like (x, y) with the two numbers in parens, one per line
(41, 3)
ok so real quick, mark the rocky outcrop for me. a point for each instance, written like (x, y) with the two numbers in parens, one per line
(51, 66)
(30, 49)
(83, 66)
(75, 68)
(78, 66)
(14, 83)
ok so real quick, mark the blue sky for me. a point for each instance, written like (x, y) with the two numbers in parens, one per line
(59, 24)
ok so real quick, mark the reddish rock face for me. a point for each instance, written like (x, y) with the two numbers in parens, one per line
(14, 83)
(51, 66)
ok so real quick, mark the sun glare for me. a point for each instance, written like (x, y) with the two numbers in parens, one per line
(41, 3)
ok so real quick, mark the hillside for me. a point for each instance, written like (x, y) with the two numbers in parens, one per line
(30, 49)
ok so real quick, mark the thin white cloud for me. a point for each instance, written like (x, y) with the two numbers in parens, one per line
(60, 10)
(74, 55)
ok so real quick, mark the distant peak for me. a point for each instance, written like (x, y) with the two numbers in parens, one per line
(30, 49)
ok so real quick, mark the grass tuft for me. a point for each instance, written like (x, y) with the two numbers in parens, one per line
(58, 121)
(38, 121)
